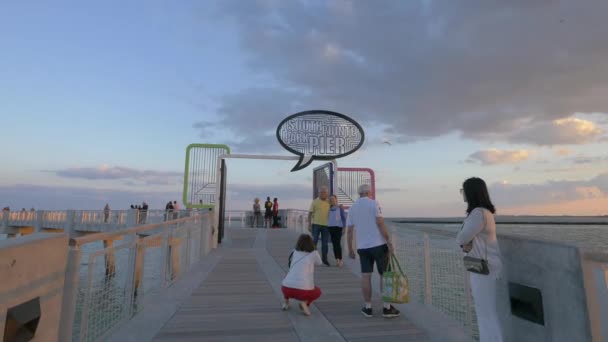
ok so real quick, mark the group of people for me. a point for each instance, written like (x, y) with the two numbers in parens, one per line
(171, 210)
(271, 213)
(477, 238)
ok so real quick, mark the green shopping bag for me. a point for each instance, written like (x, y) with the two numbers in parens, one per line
(396, 284)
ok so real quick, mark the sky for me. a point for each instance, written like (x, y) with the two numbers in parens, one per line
(98, 101)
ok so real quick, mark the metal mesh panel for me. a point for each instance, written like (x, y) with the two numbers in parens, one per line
(177, 254)
(349, 180)
(433, 264)
(201, 174)
(322, 176)
(110, 295)
(107, 298)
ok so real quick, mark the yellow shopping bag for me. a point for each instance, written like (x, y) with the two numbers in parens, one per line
(396, 284)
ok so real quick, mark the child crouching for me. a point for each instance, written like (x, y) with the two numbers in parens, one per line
(299, 283)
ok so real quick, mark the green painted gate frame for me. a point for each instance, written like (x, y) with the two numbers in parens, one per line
(187, 167)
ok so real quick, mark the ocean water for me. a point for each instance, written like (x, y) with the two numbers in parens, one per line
(589, 236)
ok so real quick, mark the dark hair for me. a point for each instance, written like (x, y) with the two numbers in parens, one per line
(305, 244)
(477, 196)
(276, 199)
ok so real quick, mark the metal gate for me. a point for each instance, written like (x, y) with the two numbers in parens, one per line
(200, 175)
(323, 176)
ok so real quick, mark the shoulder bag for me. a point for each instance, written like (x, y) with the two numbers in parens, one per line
(477, 265)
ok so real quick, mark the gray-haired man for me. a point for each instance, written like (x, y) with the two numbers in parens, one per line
(373, 245)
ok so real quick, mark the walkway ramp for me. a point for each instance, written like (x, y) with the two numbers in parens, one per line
(240, 298)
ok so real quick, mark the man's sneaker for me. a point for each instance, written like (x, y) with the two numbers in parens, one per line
(390, 313)
(367, 312)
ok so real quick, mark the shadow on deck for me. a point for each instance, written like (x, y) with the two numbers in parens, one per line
(235, 295)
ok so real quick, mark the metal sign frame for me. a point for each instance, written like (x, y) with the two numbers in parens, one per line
(185, 193)
(218, 182)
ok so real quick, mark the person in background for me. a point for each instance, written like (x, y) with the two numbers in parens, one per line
(257, 213)
(169, 211)
(176, 208)
(317, 216)
(336, 223)
(106, 213)
(299, 283)
(275, 213)
(374, 246)
(267, 212)
(144, 212)
(477, 238)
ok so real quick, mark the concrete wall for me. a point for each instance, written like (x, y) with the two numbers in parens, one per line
(34, 266)
(554, 269)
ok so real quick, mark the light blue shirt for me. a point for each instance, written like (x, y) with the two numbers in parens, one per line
(336, 217)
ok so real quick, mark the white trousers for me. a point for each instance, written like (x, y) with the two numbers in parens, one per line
(483, 288)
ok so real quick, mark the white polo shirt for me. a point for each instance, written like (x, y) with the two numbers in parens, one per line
(363, 215)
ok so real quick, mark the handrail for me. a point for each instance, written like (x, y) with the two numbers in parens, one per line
(78, 241)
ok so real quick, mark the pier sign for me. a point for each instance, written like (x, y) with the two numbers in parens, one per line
(319, 135)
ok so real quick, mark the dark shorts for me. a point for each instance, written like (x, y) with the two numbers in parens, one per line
(369, 256)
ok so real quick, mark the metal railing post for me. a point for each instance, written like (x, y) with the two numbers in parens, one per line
(428, 295)
(70, 223)
(39, 218)
(5, 216)
(70, 294)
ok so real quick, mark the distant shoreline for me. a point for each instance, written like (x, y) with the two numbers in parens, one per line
(527, 220)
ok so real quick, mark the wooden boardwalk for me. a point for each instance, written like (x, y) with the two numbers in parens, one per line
(240, 300)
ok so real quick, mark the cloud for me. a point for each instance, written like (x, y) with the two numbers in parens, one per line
(508, 194)
(507, 70)
(582, 159)
(104, 172)
(568, 131)
(495, 157)
(563, 152)
(240, 196)
(385, 190)
(61, 197)
(282, 191)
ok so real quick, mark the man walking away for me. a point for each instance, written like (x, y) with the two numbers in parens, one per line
(373, 245)
(267, 212)
(318, 216)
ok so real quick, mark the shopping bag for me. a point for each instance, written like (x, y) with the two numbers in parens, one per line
(396, 284)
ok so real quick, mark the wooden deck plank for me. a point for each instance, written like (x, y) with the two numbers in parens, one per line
(234, 303)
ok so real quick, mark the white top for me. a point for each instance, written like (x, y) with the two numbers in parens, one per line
(363, 215)
(480, 227)
(301, 274)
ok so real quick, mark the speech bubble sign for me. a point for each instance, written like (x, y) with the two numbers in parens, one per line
(319, 135)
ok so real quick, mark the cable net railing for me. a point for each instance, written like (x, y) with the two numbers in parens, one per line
(433, 264)
(116, 274)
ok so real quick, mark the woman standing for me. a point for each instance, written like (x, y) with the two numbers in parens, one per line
(336, 222)
(275, 213)
(257, 213)
(478, 240)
